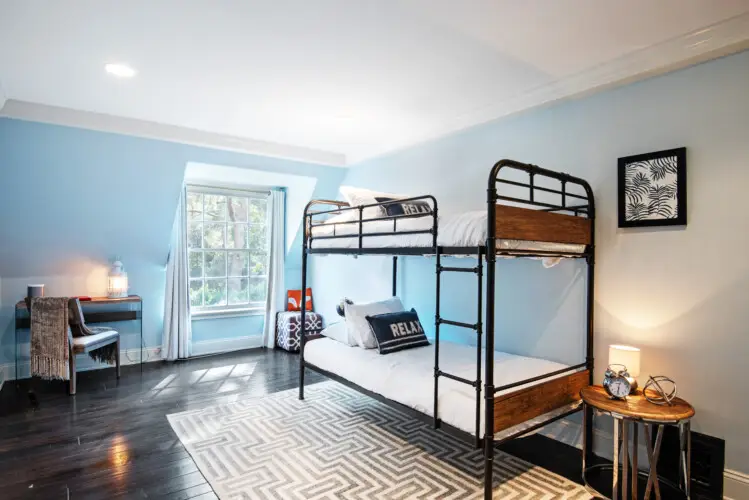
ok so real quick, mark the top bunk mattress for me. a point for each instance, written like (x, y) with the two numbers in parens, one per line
(408, 376)
(466, 229)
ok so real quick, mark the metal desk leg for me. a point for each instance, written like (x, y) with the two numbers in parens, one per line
(617, 447)
(685, 458)
(141, 336)
(15, 321)
(653, 454)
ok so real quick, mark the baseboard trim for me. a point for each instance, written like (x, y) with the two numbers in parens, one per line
(735, 485)
(127, 357)
(218, 346)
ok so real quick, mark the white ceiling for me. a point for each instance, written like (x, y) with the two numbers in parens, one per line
(351, 77)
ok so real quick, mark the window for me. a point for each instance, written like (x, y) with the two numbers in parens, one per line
(228, 248)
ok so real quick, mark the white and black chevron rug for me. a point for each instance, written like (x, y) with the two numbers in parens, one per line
(340, 444)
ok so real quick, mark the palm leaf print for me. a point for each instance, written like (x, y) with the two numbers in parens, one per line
(659, 197)
(636, 187)
(659, 167)
(636, 211)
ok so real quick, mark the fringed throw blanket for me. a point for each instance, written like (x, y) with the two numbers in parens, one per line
(49, 337)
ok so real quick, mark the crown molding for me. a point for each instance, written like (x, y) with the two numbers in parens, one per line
(724, 38)
(56, 115)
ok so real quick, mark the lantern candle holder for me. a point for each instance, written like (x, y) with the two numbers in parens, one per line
(117, 281)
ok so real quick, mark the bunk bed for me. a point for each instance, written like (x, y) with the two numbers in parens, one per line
(547, 214)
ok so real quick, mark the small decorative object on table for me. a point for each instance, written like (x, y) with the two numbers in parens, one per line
(653, 189)
(117, 282)
(289, 328)
(620, 379)
(636, 409)
(655, 393)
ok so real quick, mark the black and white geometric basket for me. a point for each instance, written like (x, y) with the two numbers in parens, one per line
(288, 328)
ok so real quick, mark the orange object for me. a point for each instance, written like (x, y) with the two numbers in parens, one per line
(294, 300)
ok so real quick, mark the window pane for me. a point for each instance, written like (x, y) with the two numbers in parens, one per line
(258, 289)
(239, 291)
(257, 210)
(215, 207)
(196, 264)
(214, 235)
(236, 237)
(196, 293)
(215, 264)
(237, 209)
(258, 239)
(259, 264)
(215, 292)
(238, 264)
(194, 206)
(194, 234)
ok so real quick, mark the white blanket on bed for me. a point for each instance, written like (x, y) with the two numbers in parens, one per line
(408, 376)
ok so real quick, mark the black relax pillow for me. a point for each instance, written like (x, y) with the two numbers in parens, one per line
(405, 208)
(397, 331)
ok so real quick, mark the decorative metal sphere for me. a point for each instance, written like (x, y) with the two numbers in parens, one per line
(660, 390)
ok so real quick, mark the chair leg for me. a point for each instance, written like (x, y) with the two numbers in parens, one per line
(117, 357)
(72, 382)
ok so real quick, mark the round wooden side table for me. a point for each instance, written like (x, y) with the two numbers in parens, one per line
(638, 410)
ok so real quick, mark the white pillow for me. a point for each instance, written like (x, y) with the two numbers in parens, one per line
(356, 319)
(339, 332)
(360, 196)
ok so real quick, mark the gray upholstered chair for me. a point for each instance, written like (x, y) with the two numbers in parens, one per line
(85, 340)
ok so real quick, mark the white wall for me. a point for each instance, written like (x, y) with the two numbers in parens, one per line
(681, 294)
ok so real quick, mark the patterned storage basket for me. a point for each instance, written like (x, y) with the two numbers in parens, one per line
(288, 328)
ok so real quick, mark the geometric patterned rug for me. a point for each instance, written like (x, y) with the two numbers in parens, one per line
(340, 444)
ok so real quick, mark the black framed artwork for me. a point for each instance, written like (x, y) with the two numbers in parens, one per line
(653, 189)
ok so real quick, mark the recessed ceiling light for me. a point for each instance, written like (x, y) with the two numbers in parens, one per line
(120, 70)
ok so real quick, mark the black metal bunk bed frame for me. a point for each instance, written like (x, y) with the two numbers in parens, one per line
(481, 252)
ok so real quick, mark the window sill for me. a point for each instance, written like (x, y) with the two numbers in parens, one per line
(226, 313)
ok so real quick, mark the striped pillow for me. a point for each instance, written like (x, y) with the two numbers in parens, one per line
(397, 331)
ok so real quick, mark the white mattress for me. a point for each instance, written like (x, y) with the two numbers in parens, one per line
(466, 229)
(408, 376)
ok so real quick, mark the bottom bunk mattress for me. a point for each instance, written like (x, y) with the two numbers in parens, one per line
(407, 377)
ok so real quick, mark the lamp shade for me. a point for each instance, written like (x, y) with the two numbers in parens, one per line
(627, 356)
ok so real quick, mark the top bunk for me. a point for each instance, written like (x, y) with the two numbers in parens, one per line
(530, 212)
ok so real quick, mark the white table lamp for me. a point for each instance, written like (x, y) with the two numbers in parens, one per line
(628, 356)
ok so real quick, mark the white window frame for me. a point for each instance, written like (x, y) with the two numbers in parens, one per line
(227, 311)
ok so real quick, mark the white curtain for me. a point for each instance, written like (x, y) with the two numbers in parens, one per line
(276, 296)
(177, 325)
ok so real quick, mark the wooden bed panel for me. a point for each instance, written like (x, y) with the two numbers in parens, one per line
(515, 223)
(520, 406)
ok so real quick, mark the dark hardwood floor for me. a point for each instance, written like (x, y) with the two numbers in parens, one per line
(112, 439)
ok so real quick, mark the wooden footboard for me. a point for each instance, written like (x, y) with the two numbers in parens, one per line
(522, 405)
(515, 223)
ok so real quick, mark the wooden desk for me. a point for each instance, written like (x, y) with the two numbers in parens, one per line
(91, 316)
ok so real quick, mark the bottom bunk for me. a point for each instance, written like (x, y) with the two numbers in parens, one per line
(407, 377)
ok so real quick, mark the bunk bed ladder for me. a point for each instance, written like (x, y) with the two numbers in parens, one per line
(478, 270)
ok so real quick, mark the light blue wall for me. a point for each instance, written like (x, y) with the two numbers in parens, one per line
(680, 294)
(72, 199)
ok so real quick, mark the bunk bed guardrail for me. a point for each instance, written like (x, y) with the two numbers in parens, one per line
(343, 207)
